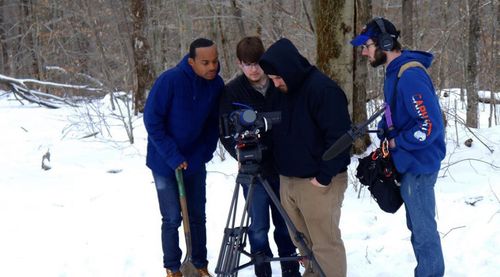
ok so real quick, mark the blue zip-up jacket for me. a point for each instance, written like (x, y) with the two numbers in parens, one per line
(416, 115)
(313, 116)
(181, 118)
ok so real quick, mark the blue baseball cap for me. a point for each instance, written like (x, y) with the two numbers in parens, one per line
(372, 30)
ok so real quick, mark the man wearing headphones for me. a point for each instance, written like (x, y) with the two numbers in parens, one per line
(415, 132)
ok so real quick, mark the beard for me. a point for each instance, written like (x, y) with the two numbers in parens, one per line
(380, 58)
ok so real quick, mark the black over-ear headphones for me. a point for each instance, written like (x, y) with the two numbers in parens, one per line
(385, 40)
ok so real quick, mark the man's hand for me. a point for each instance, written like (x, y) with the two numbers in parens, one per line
(392, 143)
(183, 165)
(315, 183)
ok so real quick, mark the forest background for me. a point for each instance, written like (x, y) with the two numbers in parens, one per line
(91, 48)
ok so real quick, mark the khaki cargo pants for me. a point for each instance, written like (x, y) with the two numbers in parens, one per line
(315, 212)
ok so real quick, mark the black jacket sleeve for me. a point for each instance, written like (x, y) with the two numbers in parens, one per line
(332, 117)
(225, 107)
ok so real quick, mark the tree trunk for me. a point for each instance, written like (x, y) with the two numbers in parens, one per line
(492, 120)
(443, 57)
(407, 29)
(238, 19)
(185, 26)
(29, 30)
(141, 55)
(472, 68)
(4, 58)
(277, 24)
(334, 29)
(362, 14)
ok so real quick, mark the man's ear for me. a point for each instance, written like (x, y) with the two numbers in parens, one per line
(191, 61)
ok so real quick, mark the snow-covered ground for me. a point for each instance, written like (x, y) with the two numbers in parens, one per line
(95, 212)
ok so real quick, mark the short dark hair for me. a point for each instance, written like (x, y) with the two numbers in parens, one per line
(198, 43)
(250, 49)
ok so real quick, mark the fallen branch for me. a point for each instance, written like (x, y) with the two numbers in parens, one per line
(22, 91)
(462, 121)
(471, 159)
(491, 218)
(366, 256)
(220, 172)
(454, 228)
(494, 194)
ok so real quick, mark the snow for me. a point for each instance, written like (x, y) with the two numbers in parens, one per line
(95, 212)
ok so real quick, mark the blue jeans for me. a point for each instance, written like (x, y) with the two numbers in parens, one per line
(168, 197)
(260, 221)
(417, 191)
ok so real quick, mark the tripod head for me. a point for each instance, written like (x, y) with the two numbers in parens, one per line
(246, 127)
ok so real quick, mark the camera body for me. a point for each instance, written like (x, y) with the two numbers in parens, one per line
(245, 127)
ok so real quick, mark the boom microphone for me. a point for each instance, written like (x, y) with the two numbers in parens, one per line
(346, 139)
(340, 145)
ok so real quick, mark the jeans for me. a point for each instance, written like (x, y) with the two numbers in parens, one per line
(260, 221)
(168, 197)
(417, 191)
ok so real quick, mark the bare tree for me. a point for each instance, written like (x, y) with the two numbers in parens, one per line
(54, 40)
(363, 13)
(4, 57)
(408, 23)
(495, 68)
(472, 68)
(238, 16)
(334, 28)
(443, 57)
(30, 40)
(141, 55)
(277, 18)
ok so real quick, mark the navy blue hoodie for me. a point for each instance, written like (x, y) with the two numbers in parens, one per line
(314, 116)
(181, 117)
(416, 115)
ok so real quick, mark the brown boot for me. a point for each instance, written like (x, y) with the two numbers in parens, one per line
(203, 272)
(170, 273)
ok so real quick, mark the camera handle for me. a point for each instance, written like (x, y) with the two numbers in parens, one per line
(235, 237)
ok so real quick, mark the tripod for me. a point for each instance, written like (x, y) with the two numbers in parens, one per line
(235, 236)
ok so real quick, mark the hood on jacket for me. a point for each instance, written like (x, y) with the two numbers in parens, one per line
(188, 69)
(425, 58)
(284, 60)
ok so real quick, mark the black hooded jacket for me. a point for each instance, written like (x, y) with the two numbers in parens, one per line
(314, 116)
(239, 90)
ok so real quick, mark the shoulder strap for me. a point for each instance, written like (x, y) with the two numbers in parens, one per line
(389, 107)
(402, 69)
(407, 65)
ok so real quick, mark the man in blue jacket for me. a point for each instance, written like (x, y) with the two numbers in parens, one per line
(254, 89)
(415, 132)
(181, 118)
(314, 115)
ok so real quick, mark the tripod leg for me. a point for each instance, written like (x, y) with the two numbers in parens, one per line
(234, 239)
(297, 235)
(228, 241)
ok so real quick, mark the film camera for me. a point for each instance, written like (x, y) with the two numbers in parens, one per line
(246, 126)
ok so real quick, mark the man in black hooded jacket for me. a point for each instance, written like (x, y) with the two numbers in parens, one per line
(314, 115)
